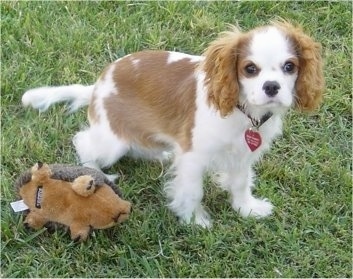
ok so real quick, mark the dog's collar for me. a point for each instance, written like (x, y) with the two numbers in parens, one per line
(257, 123)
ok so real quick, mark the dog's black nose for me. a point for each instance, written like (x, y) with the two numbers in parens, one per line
(271, 88)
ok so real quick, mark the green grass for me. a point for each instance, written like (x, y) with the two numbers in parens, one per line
(307, 174)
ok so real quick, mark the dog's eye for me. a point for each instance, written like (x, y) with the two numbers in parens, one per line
(289, 67)
(251, 69)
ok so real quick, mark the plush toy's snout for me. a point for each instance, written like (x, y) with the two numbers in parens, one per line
(124, 214)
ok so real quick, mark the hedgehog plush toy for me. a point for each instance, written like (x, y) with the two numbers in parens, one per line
(80, 198)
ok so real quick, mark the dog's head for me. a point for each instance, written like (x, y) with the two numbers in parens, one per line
(268, 68)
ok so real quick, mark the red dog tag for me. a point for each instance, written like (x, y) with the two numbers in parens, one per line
(253, 139)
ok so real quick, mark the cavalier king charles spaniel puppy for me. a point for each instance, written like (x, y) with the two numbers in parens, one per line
(216, 113)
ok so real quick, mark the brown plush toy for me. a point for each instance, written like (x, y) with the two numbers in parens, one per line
(78, 197)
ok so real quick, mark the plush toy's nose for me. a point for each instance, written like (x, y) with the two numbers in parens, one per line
(128, 207)
(124, 214)
(121, 217)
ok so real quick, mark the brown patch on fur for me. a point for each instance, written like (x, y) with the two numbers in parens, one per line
(153, 99)
(91, 112)
(220, 66)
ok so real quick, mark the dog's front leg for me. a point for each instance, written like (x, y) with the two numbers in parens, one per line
(242, 199)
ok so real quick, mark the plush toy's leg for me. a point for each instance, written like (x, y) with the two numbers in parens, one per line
(84, 185)
(35, 221)
(79, 232)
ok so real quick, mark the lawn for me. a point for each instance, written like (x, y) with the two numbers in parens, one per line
(307, 174)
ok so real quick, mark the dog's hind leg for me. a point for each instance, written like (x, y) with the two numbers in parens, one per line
(185, 190)
(98, 147)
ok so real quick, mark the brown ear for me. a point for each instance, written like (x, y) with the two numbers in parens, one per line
(40, 172)
(310, 82)
(220, 66)
(84, 185)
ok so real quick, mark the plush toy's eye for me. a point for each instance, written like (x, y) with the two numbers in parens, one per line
(90, 184)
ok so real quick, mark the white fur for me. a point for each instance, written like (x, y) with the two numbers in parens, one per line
(218, 144)
(227, 156)
(177, 56)
(269, 51)
(42, 98)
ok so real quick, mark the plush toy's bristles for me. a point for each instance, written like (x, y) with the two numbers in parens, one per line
(23, 179)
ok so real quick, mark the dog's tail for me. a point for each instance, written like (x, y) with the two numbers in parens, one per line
(43, 97)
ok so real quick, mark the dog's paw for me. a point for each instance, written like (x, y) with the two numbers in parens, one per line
(112, 177)
(253, 207)
(200, 217)
(203, 220)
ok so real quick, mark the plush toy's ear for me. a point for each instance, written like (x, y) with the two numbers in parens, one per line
(84, 185)
(40, 172)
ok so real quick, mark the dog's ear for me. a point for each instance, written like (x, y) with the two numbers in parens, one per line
(220, 67)
(310, 83)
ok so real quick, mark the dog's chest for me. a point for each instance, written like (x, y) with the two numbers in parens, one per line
(237, 151)
(235, 148)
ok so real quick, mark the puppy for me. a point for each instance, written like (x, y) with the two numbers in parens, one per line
(216, 113)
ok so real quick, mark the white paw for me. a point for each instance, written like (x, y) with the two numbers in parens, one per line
(222, 180)
(112, 177)
(200, 217)
(253, 208)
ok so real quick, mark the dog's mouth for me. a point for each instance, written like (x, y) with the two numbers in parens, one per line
(269, 104)
(274, 103)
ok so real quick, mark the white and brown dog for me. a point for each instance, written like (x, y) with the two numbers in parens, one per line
(217, 113)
